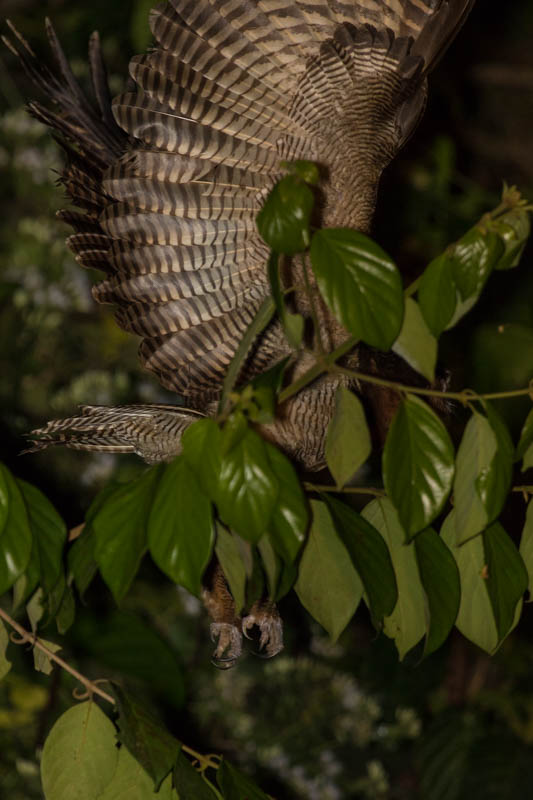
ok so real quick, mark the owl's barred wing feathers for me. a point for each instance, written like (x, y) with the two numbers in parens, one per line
(151, 431)
(231, 88)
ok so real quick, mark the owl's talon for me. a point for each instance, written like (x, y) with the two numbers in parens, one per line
(229, 644)
(247, 623)
(267, 619)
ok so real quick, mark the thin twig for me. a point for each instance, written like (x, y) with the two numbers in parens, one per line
(30, 638)
(204, 761)
(465, 396)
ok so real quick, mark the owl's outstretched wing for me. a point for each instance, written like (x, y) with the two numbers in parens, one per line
(231, 88)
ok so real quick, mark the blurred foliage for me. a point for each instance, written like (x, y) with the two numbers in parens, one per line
(325, 722)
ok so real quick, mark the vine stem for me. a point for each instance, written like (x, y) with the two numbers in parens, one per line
(205, 761)
(327, 364)
(30, 638)
(314, 487)
(465, 396)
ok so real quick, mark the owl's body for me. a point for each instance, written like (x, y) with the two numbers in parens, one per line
(169, 178)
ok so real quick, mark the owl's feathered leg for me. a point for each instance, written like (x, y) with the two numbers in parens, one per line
(226, 624)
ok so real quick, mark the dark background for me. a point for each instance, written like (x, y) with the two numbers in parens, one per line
(321, 721)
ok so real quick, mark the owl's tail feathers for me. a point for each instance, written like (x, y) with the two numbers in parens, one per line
(153, 432)
(90, 126)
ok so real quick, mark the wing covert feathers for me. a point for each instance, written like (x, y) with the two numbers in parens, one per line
(171, 178)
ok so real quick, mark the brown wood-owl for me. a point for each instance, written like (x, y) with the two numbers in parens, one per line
(169, 178)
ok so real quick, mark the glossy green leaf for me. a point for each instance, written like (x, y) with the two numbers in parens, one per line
(475, 457)
(80, 559)
(132, 782)
(473, 258)
(180, 527)
(437, 294)
(360, 284)
(507, 577)
(15, 531)
(35, 609)
(248, 488)
(483, 473)
(369, 556)
(53, 601)
(235, 785)
(271, 564)
(255, 584)
(348, 443)
(290, 517)
(453, 282)
(441, 584)
(5, 663)
(229, 557)
(233, 432)
(306, 170)
(527, 462)
(130, 646)
(201, 443)
(25, 585)
(120, 531)
(189, 782)
(526, 547)
(418, 464)
(49, 536)
(79, 755)
(407, 623)
(293, 324)
(287, 579)
(65, 612)
(526, 439)
(514, 229)
(328, 585)
(416, 344)
(283, 222)
(476, 618)
(146, 738)
(493, 485)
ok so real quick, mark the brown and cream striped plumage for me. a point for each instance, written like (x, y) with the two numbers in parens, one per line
(171, 180)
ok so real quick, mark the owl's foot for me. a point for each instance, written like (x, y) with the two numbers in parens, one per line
(266, 617)
(229, 644)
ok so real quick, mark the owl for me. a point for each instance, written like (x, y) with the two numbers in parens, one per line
(168, 178)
